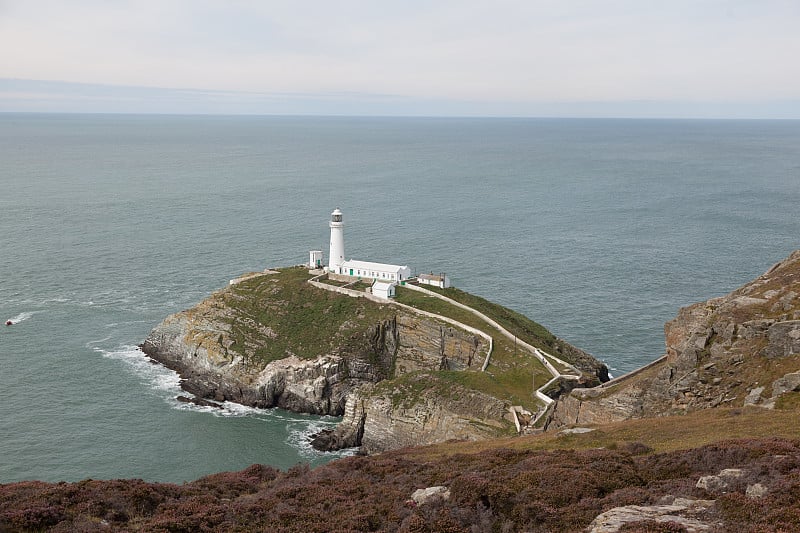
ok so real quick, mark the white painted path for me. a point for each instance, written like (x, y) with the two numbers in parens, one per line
(536, 352)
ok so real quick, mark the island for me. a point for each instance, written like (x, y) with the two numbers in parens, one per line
(405, 359)
(428, 365)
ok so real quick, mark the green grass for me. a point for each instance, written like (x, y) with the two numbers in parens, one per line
(788, 401)
(274, 316)
(518, 324)
(510, 374)
(304, 320)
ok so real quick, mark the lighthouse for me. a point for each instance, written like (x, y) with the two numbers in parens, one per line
(336, 255)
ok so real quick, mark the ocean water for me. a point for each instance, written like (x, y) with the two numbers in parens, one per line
(598, 229)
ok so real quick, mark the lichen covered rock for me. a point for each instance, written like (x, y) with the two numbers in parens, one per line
(740, 349)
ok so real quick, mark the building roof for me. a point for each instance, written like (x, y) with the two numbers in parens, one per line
(432, 277)
(367, 265)
(382, 285)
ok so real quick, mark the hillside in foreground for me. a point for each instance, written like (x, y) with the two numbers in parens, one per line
(538, 483)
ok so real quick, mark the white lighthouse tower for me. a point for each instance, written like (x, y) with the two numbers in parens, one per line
(336, 255)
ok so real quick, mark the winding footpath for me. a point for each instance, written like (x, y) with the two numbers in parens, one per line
(540, 355)
(536, 352)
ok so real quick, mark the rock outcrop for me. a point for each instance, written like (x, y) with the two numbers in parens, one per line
(272, 339)
(682, 514)
(423, 408)
(738, 349)
(201, 345)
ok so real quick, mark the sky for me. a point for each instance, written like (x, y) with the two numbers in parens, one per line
(572, 58)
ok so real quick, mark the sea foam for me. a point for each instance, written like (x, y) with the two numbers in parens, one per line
(22, 317)
(158, 377)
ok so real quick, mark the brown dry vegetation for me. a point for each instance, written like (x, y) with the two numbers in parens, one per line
(495, 489)
(662, 434)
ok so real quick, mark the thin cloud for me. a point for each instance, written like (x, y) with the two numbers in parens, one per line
(525, 53)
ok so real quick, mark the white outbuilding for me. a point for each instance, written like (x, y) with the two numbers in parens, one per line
(315, 259)
(437, 280)
(383, 289)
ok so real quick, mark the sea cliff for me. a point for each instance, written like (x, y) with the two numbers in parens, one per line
(397, 374)
(737, 350)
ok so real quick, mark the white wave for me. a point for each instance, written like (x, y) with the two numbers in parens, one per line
(299, 437)
(237, 409)
(91, 344)
(158, 377)
(59, 300)
(224, 409)
(299, 428)
(22, 317)
(126, 322)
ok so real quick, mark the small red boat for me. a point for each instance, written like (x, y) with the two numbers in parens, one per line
(9, 323)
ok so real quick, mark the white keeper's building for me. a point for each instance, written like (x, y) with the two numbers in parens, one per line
(366, 269)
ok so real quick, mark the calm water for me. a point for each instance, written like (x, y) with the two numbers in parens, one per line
(599, 229)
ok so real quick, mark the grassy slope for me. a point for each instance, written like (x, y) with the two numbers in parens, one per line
(272, 316)
(306, 321)
(516, 323)
(512, 371)
(662, 434)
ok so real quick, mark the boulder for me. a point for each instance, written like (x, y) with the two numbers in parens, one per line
(430, 495)
(720, 483)
(685, 512)
(756, 490)
(788, 383)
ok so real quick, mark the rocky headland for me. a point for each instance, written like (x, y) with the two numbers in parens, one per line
(397, 375)
(737, 350)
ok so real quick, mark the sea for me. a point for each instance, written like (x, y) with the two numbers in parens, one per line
(599, 229)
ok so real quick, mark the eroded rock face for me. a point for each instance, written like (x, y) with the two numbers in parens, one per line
(245, 344)
(197, 346)
(380, 418)
(713, 351)
(428, 345)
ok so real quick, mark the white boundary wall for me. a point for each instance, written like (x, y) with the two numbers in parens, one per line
(535, 351)
(359, 294)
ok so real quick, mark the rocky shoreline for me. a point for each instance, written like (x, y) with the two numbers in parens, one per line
(341, 378)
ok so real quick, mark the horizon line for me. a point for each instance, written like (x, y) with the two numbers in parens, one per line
(18, 95)
(404, 116)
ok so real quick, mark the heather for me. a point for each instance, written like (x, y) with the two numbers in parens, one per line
(497, 489)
